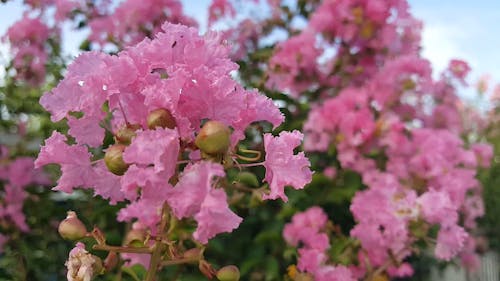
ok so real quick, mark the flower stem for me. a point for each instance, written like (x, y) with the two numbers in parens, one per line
(121, 249)
(179, 261)
(158, 246)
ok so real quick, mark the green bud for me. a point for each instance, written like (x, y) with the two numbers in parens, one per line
(126, 134)
(195, 254)
(213, 138)
(114, 159)
(135, 238)
(161, 118)
(248, 179)
(71, 228)
(228, 273)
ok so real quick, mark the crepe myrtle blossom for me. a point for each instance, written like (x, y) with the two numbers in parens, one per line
(307, 229)
(28, 38)
(15, 176)
(133, 20)
(164, 99)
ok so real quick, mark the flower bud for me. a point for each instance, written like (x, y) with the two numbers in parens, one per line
(135, 238)
(114, 159)
(213, 138)
(126, 134)
(71, 228)
(161, 118)
(228, 273)
(247, 179)
(194, 253)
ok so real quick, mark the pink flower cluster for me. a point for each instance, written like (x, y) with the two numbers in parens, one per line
(410, 120)
(133, 20)
(308, 229)
(27, 38)
(377, 103)
(343, 44)
(15, 176)
(188, 76)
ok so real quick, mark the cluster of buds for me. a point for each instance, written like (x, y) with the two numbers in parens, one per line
(113, 158)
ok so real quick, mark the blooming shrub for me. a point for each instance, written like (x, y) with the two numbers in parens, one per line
(188, 140)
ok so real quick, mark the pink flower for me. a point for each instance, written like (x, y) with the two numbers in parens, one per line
(159, 147)
(450, 241)
(134, 20)
(74, 160)
(193, 186)
(484, 154)
(282, 166)
(294, 60)
(218, 9)
(334, 273)
(459, 69)
(437, 207)
(310, 259)
(214, 216)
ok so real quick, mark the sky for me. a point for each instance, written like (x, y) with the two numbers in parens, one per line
(464, 29)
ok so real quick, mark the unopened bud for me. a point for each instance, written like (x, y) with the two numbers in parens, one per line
(71, 228)
(228, 273)
(213, 138)
(135, 238)
(114, 159)
(161, 118)
(126, 134)
(193, 254)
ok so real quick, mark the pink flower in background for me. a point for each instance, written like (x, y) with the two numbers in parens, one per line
(294, 60)
(307, 231)
(219, 9)
(15, 176)
(450, 241)
(459, 69)
(134, 20)
(28, 38)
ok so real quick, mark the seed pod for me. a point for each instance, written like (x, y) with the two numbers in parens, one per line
(114, 159)
(161, 118)
(71, 228)
(213, 138)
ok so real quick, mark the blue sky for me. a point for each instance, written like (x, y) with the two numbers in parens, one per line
(452, 29)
